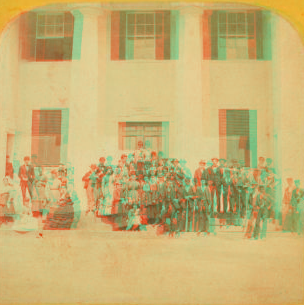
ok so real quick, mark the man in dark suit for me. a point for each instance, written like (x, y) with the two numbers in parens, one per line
(9, 170)
(213, 174)
(200, 173)
(27, 177)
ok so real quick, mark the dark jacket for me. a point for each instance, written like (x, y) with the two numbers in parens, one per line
(26, 173)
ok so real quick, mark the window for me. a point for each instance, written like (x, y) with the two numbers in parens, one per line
(238, 135)
(49, 136)
(232, 35)
(144, 35)
(235, 29)
(153, 134)
(46, 36)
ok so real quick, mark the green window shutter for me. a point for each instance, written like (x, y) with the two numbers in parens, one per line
(68, 36)
(267, 52)
(77, 34)
(253, 137)
(174, 37)
(167, 34)
(129, 42)
(221, 40)
(64, 134)
(27, 35)
(259, 34)
(214, 35)
(122, 35)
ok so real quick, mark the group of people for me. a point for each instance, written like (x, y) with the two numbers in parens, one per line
(145, 188)
(49, 197)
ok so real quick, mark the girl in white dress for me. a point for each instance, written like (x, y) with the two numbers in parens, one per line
(107, 191)
(134, 218)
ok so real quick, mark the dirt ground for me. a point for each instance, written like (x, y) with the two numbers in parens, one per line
(99, 266)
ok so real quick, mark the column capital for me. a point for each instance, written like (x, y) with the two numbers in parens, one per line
(87, 11)
(191, 10)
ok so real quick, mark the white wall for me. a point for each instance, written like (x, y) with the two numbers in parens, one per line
(288, 92)
(100, 93)
(9, 86)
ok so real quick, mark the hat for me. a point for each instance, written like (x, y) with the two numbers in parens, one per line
(261, 158)
(61, 169)
(214, 159)
(209, 163)
(202, 162)
(223, 160)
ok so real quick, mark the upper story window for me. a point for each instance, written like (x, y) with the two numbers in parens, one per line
(229, 35)
(46, 36)
(144, 35)
(51, 26)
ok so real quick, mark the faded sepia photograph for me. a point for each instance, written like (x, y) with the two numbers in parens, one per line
(151, 153)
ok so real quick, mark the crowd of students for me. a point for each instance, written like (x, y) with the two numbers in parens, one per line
(145, 188)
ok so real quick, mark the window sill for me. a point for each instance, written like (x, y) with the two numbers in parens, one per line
(233, 61)
(143, 61)
(45, 61)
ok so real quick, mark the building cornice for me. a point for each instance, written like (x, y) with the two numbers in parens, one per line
(102, 7)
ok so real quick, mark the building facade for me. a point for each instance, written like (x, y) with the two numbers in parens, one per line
(196, 81)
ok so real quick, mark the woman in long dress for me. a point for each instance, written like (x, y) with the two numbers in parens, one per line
(62, 215)
(54, 186)
(40, 200)
(107, 191)
(6, 199)
(17, 195)
(286, 207)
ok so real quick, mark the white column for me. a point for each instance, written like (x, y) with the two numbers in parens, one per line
(189, 104)
(288, 104)
(9, 81)
(276, 106)
(83, 115)
(104, 42)
(288, 92)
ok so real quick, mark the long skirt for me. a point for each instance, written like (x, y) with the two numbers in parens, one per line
(203, 222)
(60, 218)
